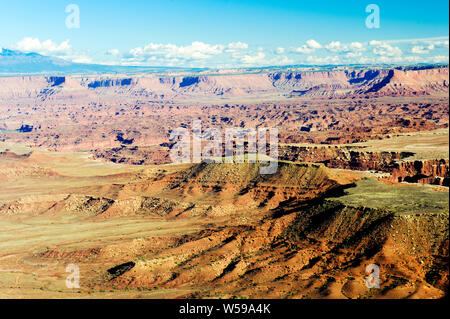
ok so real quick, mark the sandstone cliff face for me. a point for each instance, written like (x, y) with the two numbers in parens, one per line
(332, 84)
(342, 157)
(335, 83)
(21, 87)
(435, 171)
(426, 172)
(417, 82)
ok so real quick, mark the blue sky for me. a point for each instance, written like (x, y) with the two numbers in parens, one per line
(229, 33)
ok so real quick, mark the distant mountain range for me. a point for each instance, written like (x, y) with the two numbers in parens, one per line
(14, 62)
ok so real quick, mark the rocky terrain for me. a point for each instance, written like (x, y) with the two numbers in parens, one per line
(363, 177)
(216, 230)
(90, 113)
(397, 165)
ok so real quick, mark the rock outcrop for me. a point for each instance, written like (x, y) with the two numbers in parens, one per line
(343, 84)
(425, 172)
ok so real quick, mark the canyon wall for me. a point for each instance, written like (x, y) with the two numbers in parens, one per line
(397, 165)
(343, 83)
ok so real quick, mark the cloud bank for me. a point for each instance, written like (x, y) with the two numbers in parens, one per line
(241, 54)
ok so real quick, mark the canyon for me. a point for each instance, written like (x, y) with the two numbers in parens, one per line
(363, 176)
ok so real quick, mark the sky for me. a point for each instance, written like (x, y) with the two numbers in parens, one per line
(229, 33)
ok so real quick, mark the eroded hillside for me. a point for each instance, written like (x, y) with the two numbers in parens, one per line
(217, 230)
(362, 179)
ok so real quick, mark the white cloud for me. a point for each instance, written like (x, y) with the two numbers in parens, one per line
(279, 50)
(47, 47)
(236, 54)
(441, 44)
(237, 49)
(336, 46)
(313, 44)
(323, 60)
(309, 47)
(261, 59)
(420, 49)
(197, 50)
(113, 52)
(352, 55)
(439, 59)
(357, 46)
(81, 59)
(248, 59)
(385, 49)
(283, 60)
(304, 49)
(434, 40)
(235, 46)
(62, 50)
